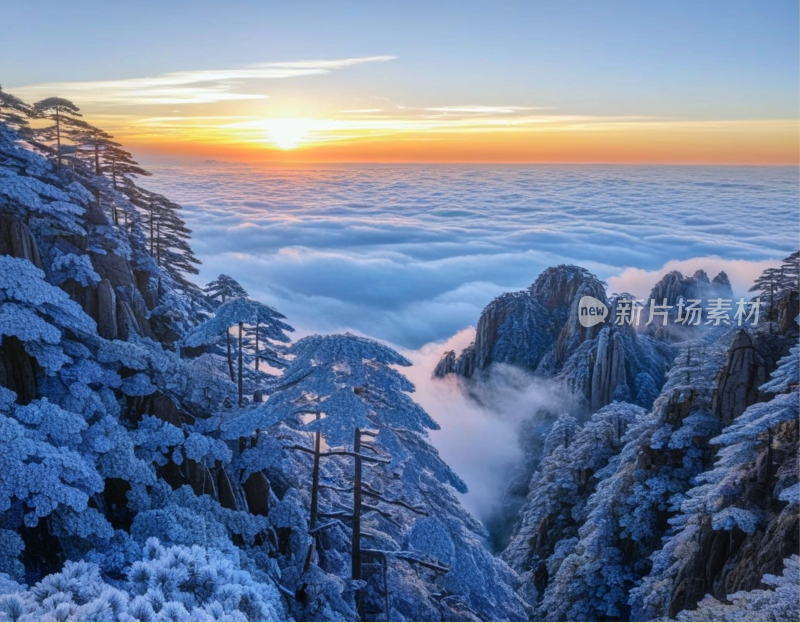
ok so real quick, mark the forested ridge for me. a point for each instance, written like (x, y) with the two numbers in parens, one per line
(169, 452)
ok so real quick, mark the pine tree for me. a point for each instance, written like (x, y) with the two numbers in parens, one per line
(776, 283)
(238, 312)
(118, 164)
(66, 124)
(13, 111)
(221, 290)
(224, 288)
(348, 387)
(167, 233)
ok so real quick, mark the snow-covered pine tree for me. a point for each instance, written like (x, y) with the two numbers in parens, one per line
(221, 290)
(350, 381)
(776, 283)
(625, 517)
(168, 236)
(778, 602)
(66, 126)
(13, 111)
(547, 528)
(224, 288)
(239, 312)
(735, 498)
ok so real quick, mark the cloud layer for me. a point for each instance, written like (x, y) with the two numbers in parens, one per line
(411, 254)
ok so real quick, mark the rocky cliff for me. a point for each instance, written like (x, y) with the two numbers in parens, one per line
(538, 329)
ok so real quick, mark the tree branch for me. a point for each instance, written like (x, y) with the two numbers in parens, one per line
(408, 556)
(324, 526)
(366, 489)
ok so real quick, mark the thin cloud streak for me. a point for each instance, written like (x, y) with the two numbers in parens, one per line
(186, 87)
(485, 110)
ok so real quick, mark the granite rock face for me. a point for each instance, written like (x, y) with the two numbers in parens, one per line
(538, 329)
(16, 240)
(673, 288)
(539, 323)
(739, 380)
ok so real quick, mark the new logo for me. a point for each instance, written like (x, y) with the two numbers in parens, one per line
(591, 311)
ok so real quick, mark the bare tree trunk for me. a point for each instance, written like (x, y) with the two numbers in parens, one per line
(312, 522)
(58, 141)
(230, 359)
(96, 169)
(151, 228)
(241, 397)
(258, 354)
(356, 551)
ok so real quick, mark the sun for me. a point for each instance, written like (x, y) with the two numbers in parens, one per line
(287, 133)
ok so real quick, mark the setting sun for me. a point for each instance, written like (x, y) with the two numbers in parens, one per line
(287, 133)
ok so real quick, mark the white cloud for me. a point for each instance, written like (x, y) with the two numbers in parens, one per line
(484, 110)
(186, 87)
(478, 439)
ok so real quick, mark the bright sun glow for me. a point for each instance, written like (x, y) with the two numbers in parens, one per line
(287, 133)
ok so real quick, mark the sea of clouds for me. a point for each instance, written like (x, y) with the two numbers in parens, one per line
(410, 254)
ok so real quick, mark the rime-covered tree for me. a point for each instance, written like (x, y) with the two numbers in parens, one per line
(167, 233)
(13, 111)
(347, 386)
(560, 488)
(38, 314)
(635, 493)
(66, 125)
(224, 288)
(167, 583)
(735, 495)
(777, 602)
(238, 313)
(221, 290)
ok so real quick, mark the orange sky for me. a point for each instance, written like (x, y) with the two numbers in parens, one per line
(731, 143)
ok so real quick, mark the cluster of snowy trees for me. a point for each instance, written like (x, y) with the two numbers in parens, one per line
(776, 284)
(645, 515)
(108, 171)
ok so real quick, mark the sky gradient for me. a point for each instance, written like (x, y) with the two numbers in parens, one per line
(677, 82)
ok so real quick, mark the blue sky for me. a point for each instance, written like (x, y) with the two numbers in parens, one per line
(721, 58)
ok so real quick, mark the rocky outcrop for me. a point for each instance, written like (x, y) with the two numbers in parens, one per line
(738, 381)
(557, 287)
(446, 365)
(257, 490)
(127, 324)
(539, 329)
(787, 309)
(146, 286)
(674, 287)
(533, 328)
(16, 240)
(106, 310)
(17, 369)
(608, 373)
